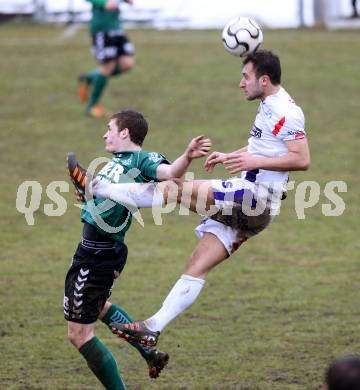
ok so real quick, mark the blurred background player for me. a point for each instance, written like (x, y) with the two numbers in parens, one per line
(101, 255)
(355, 13)
(277, 144)
(343, 374)
(112, 50)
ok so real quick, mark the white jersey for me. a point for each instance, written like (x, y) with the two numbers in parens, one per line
(258, 191)
(278, 120)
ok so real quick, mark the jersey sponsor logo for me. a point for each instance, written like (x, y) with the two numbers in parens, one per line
(296, 133)
(155, 157)
(126, 162)
(278, 126)
(112, 172)
(256, 132)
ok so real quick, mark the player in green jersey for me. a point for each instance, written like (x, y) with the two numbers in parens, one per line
(112, 50)
(101, 254)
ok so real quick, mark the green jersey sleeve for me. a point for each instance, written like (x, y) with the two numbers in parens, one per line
(97, 3)
(148, 163)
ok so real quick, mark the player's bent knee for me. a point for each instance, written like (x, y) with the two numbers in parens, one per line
(78, 336)
(127, 64)
(73, 338)
(108, 69)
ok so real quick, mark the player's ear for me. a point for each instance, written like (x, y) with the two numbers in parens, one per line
(265, 80)
(125, 132)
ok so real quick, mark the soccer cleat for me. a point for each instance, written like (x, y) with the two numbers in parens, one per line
(97, 111)
(156, 361)
(78, 174)
(83, 89)
(136, 331)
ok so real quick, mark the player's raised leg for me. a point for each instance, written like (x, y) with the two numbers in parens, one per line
(197, 195)
(209, 252)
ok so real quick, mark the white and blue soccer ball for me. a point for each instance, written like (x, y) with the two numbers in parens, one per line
(242, 36)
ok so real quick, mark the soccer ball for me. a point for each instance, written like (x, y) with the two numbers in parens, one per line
(242, 36)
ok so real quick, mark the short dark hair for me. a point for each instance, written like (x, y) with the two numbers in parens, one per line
(344, 373)
(267, 63)
(135, 122)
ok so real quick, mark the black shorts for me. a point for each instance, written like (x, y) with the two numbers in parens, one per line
(107, 46)
(89, 281)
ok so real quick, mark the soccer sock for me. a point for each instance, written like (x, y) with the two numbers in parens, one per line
(91, 76)
(99, 84)
(181, 296)
(144, 195)
(102, 363)
(116, 71)
(119, 315)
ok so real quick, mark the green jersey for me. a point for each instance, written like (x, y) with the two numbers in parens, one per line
(111, 218)
(103, 20)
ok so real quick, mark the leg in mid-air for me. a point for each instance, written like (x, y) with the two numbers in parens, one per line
(196, 195)
(221, 235)
(208, 253)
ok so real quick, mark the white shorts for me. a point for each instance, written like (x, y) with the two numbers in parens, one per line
(241, 213)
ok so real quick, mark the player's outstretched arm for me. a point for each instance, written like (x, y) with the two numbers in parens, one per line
(198, 147)
(296, 159)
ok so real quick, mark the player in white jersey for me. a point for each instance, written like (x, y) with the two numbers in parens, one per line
(238, 208)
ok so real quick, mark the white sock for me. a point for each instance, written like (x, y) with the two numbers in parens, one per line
(181, 296)
(145, 195)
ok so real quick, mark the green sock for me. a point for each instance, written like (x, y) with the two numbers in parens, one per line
(99, 84)
(116, 71)
(91, 76)
(102, 363)
(118, 314)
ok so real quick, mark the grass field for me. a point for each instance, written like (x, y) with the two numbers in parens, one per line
(271, 317)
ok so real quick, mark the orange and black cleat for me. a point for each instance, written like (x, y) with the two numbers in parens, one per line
(78, 175)
(97, 111)
(156, 361)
